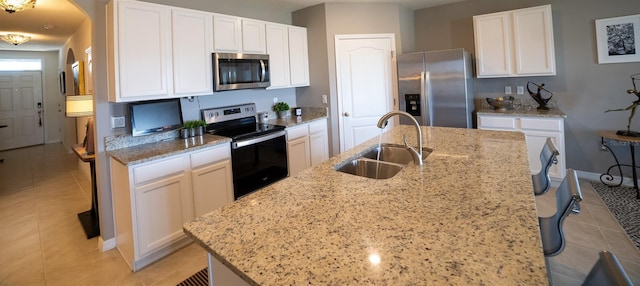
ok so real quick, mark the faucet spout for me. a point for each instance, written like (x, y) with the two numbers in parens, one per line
(416, 154)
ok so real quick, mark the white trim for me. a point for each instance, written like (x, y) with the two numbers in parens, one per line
(105, 245)
(627, 182)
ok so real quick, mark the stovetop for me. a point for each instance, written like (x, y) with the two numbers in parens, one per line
(237, 122)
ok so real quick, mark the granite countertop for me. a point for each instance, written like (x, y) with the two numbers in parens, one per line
(309, 114)
(467, 216)
(553, 112)
(156, 150)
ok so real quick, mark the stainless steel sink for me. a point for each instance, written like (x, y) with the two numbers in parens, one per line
(368, 168)
(393, 153)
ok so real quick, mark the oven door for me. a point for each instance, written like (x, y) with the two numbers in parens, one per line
(258, 162)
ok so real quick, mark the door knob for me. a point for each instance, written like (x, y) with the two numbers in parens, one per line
(346, 114)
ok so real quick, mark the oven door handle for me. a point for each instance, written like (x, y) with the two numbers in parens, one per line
(243, 143)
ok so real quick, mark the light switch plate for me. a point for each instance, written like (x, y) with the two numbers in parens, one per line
(520, 89)
(117, 122)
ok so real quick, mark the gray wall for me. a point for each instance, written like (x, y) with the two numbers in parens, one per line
(323, 22)
(583, 88)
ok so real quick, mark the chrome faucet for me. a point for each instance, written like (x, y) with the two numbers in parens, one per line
(416, 154)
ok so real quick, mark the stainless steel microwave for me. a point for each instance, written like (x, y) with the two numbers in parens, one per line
(240, 71)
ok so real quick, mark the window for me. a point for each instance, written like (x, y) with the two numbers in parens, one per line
(20, 64)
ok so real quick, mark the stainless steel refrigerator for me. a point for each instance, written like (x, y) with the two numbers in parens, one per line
(436, 88)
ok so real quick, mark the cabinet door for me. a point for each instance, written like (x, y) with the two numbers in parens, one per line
(227, 33)
(143, 41)
(298, 153)
(212, 187)
(493, 45)
(192, 47)
(253, 37)
(318, 143)
(278, 50)
(161, 211)
(298, 56)
(533, 41)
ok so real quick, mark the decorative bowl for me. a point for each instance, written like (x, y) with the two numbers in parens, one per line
(501, 103)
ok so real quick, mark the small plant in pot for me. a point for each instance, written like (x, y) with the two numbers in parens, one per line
(199, 127)
(281, 108)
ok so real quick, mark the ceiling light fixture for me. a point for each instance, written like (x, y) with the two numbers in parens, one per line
(12, 6)
(15, 39)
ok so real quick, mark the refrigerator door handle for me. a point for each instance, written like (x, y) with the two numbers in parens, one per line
(425, 97)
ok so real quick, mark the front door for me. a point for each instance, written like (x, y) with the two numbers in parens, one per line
(364, 66)
(21, 109)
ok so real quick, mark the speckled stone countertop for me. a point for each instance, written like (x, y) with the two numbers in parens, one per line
(156, 150)
(309, 114)
(466, 217)
(553, 112)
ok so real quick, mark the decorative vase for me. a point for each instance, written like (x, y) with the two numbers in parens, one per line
(199, 130)
(184, 133)
(192, 132)
(282, 114)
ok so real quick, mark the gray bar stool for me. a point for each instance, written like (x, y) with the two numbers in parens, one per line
(541, 180)
(568, 195)
(607, 271)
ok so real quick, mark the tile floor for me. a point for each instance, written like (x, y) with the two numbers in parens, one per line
(42, 243)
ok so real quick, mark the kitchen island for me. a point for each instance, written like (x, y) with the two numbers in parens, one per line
(466, 217)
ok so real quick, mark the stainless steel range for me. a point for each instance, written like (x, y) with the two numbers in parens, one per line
(258, 151)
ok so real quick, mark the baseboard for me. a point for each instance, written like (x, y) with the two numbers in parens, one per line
(105, 245)
(596, 177)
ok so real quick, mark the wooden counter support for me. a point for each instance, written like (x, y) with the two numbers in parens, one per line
(89, 219)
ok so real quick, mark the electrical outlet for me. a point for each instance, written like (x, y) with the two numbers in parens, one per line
(507, 89)
(117, 122)
(324, 99)
(275, 100)
(520, 89)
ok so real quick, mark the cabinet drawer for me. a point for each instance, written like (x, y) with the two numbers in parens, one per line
(297, 132)
(158, 170)
(210, 156)
(497, 122)
(541, 124)
(317, 126)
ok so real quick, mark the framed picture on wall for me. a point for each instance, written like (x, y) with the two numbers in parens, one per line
(77, 69)
(617, 39)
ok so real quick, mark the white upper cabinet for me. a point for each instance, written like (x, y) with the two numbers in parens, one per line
(253, 37)
(139, 38)
(227, 33)
(192, 47)
(515, 43)
(278, 50)
(288, 55)
(298, 56)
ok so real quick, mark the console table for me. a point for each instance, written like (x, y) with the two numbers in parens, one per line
(621, 140)
(89, 219)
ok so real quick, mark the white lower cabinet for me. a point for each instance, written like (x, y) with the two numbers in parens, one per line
(536, 131)
(152, 200)
(307, 145)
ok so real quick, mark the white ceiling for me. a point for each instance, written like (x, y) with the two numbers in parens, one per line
(66, 18)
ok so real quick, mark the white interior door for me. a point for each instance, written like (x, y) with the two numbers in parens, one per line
(364, 66)
(21, 109)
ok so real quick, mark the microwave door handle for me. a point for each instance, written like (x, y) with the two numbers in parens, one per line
(264, 71)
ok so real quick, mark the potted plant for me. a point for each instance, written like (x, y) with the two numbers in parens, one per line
(281, 108)
(189, 127)
(199, 126)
